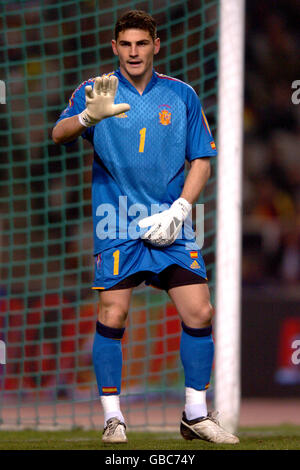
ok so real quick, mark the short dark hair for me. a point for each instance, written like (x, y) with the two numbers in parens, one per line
(136, 19)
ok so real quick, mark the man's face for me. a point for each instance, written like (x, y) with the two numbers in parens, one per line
(135, 49)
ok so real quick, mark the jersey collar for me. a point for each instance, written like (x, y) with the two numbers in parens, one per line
(124, 80)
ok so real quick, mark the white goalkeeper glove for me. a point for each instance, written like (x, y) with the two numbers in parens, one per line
(100, 101)
(166, 225)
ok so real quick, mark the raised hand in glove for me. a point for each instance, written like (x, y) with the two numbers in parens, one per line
(100, 101)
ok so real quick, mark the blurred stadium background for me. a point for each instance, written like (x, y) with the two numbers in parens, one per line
(47, 309)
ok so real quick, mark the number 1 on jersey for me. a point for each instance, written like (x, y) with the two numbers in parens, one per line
(142, 139)
(116, 255)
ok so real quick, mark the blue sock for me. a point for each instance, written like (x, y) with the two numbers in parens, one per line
(107, 359)
(197, 353)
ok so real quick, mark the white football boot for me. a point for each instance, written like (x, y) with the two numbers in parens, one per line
(207, 429)
(114, 432)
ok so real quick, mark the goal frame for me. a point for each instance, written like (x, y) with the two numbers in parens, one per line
(229, 202)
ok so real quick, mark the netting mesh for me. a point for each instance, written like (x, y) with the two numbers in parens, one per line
(47, 308)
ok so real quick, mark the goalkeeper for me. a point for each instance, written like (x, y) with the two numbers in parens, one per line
(143, 127)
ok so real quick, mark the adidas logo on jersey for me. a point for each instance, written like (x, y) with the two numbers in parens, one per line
(122, 115)
(195, 265)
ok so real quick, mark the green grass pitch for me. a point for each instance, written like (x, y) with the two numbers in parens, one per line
(264, 438)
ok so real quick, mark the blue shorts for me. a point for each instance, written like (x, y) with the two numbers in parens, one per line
(135, 256)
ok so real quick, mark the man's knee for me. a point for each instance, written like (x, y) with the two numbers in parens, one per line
(112, 314)
(206, 313)
(201, 316)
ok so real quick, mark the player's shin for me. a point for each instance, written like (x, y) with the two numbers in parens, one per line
(196, 352)
(107, 360)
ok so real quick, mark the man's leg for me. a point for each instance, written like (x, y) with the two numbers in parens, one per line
(197, 352)
(196, 347)
(107, 358)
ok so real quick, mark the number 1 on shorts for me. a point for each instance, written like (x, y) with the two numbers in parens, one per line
(116, 255)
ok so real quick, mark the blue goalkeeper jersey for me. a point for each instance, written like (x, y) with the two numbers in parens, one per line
(139, 156)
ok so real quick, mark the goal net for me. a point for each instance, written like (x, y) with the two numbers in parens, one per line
(47, 307)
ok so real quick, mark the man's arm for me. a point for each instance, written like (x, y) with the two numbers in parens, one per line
(166, 225)
(67, 129)
(99, 105)
(196, 179)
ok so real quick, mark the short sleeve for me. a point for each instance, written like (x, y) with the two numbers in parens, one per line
(200, 142)
(76, 105)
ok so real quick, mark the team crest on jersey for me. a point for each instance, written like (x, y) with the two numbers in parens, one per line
(165, 115)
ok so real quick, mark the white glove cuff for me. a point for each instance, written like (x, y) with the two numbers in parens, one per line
(184, 206)
(85, 120)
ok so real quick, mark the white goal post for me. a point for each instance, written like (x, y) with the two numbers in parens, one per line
(229, 202)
